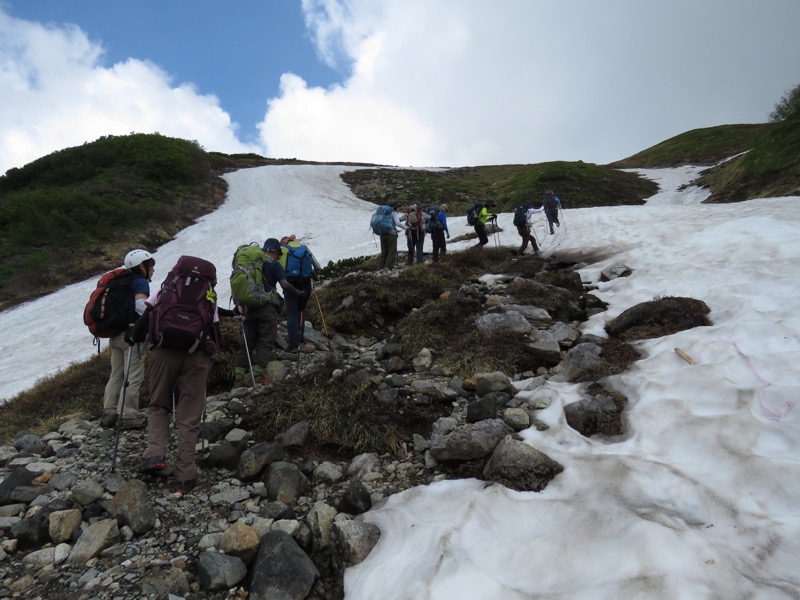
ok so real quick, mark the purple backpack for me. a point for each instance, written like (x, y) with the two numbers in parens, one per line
(183, 316)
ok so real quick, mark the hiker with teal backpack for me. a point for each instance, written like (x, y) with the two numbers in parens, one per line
(301, 267)
(436, 225)
(133, 283)
(384, 223)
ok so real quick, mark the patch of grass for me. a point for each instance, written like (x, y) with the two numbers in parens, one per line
(578, 184)
(346, 419)
(76, 391)
(770, 169)
(617, 357)
(705, 146)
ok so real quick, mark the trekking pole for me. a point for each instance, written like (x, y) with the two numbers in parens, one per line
(535, 237)
(374, 240)
(247, 351)
(319, 307)
(174, 396)
(203, 426)
(120, 408)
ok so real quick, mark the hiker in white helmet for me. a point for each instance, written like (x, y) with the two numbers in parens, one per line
(142, 265)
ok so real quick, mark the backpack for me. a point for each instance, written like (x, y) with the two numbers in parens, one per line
(521, 216)
(107, 313)
(247, 277)
(473, 211)
(183, 316)
(381, 221)
(433, 224)
(296, 261)
(549, 201)
(414, 219)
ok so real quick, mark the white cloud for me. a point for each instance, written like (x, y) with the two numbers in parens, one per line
(56, 93)
(471, 82)
(432, 83)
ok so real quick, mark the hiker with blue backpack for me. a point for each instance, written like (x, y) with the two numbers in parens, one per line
(436, 225)
(260, 327)
(301, 267)
(384, 223)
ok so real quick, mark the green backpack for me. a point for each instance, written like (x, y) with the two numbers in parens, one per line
(247, 279)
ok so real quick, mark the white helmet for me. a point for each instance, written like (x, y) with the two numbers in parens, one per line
(136, 257)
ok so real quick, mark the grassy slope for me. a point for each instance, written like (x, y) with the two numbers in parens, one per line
(578, 184)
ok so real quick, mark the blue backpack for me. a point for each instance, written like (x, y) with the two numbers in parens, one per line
(381, 221)
(298, 262)
(433, 223)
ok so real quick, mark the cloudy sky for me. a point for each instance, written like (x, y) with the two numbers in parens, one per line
(407, 82)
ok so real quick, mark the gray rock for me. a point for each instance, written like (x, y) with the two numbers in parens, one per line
(520, 466)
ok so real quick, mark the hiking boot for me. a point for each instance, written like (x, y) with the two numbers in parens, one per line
(132, 422)
(109, 418)
(183, 487)
(152, 465)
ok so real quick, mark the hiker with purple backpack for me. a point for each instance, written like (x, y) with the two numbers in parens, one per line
(550, 204)
(181, 324)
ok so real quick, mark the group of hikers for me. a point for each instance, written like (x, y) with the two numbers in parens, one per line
(389, 219)
(176, 329)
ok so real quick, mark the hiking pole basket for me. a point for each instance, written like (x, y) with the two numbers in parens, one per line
(120, 408)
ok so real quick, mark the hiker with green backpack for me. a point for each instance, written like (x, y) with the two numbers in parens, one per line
(256, 274)
(301, 267)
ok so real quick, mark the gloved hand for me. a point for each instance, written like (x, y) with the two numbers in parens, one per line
(240, 309)
(448, 234)
(137, 332)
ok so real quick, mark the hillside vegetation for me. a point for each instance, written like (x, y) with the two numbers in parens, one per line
(76, 212)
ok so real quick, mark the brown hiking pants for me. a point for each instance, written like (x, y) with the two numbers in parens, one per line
(187, 373)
